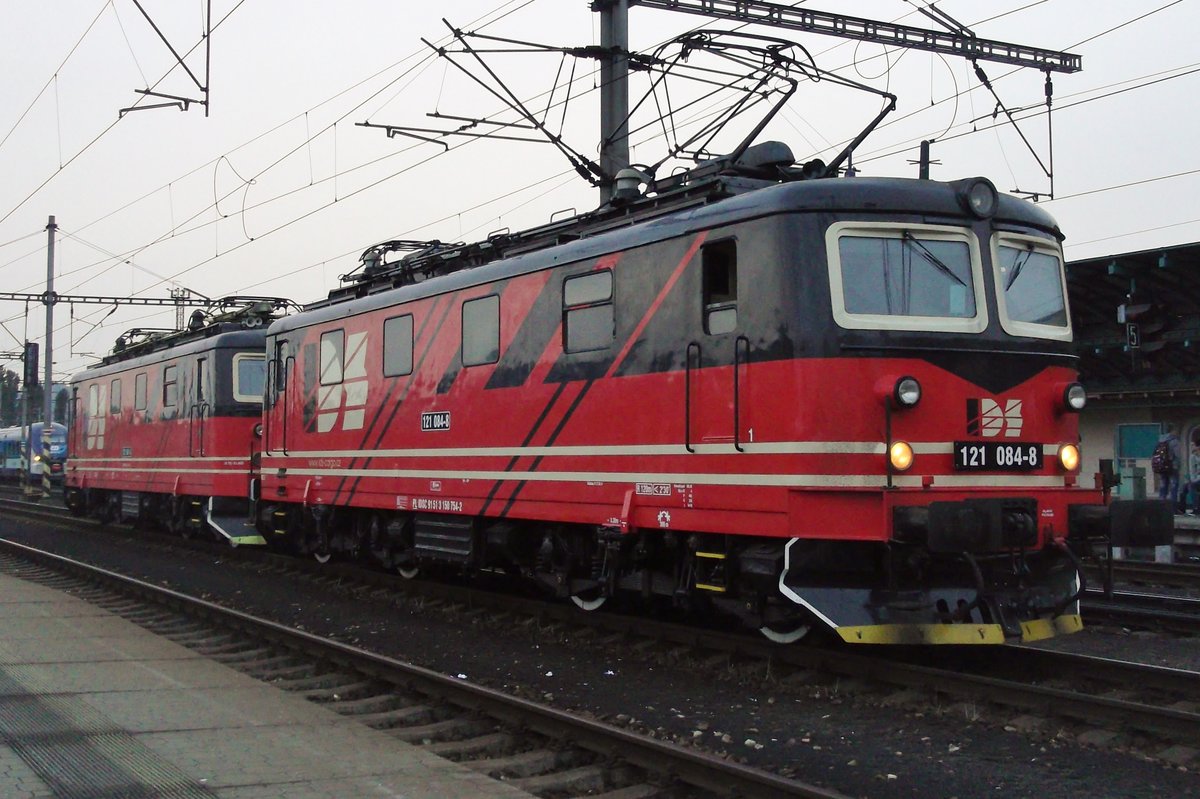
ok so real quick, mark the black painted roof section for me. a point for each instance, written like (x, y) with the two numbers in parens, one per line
(858, 195)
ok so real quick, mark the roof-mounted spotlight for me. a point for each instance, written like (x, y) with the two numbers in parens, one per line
(978, 197)
(628, 184)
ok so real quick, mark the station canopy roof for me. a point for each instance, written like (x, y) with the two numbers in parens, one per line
(1136, 318)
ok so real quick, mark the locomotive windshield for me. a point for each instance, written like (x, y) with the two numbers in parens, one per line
(249, 377)
(905, 278)
(1030, 287)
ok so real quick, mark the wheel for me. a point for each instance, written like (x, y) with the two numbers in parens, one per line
(785, 632)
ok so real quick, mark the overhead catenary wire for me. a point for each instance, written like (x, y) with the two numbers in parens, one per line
(54, 74)
(486, 19)
(103, 133)
(309, 142)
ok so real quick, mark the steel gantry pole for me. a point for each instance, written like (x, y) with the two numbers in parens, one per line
(614, 91)
(48, 380)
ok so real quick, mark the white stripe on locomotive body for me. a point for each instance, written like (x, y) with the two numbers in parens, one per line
(144, 470)
(162, 459)
(698, 478)
(637, 450)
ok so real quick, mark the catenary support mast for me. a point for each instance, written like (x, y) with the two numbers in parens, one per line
(48, 380)
(614, 90)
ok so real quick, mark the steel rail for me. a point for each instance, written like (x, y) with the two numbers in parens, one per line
(694, 768)
(883, 667)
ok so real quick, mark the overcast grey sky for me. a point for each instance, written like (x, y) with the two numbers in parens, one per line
(277, 190)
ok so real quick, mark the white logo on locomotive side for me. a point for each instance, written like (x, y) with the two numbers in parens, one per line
(347, 397)
(94, 435)
(996, 421)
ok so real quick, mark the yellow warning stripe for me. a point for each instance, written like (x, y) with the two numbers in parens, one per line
(1035, 630)
(1041, 629)
(923, 634)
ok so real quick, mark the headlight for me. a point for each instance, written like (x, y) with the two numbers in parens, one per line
(1074, 397)
(907, 392)
(900, 455)
(37, 458)
(1068, 456)
(979, 197)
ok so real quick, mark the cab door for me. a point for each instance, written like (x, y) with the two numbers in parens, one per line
(716, 361)
(199, 409)
(278, 394)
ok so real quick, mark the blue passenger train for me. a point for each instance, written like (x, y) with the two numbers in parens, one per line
(10, 448)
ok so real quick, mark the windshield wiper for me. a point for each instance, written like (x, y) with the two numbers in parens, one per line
(1018, 265)
(931, 258)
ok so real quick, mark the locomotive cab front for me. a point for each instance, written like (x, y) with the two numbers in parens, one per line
(952, 317)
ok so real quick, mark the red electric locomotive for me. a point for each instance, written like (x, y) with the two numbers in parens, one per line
(164, 428)
(848, 402)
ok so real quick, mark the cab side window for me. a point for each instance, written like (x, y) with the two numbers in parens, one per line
(170, 395)
(588, 312)
(140, 392)
(481, 330)
(719, 286)
(398, 346)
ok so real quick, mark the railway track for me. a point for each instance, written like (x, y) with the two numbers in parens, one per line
(535, 747)
(1178, 615)
(1167, 575)
(1138, 701)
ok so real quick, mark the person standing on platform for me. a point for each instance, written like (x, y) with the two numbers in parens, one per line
(1165, 464)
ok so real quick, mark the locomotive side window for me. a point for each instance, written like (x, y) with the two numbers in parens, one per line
(201, 366)
(170, 393)
(720, 290)
(398, 346)
(249, 376)
(93, 409)
(905, 277)
(139, 392)
(333, 353)
(1031, 287)
(588, 312)
(481, 330)
(114, 396)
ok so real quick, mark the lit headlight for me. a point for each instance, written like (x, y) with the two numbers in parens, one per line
(37, 458)
(907, 392)
(901, 456)
(1074, 397)
(1068, 456)
(979, 197)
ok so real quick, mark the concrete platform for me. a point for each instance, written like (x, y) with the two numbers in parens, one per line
(94, 706)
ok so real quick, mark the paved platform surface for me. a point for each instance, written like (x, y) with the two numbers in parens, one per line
(94, 706)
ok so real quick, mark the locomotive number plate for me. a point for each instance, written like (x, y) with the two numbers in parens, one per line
(997, 456)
